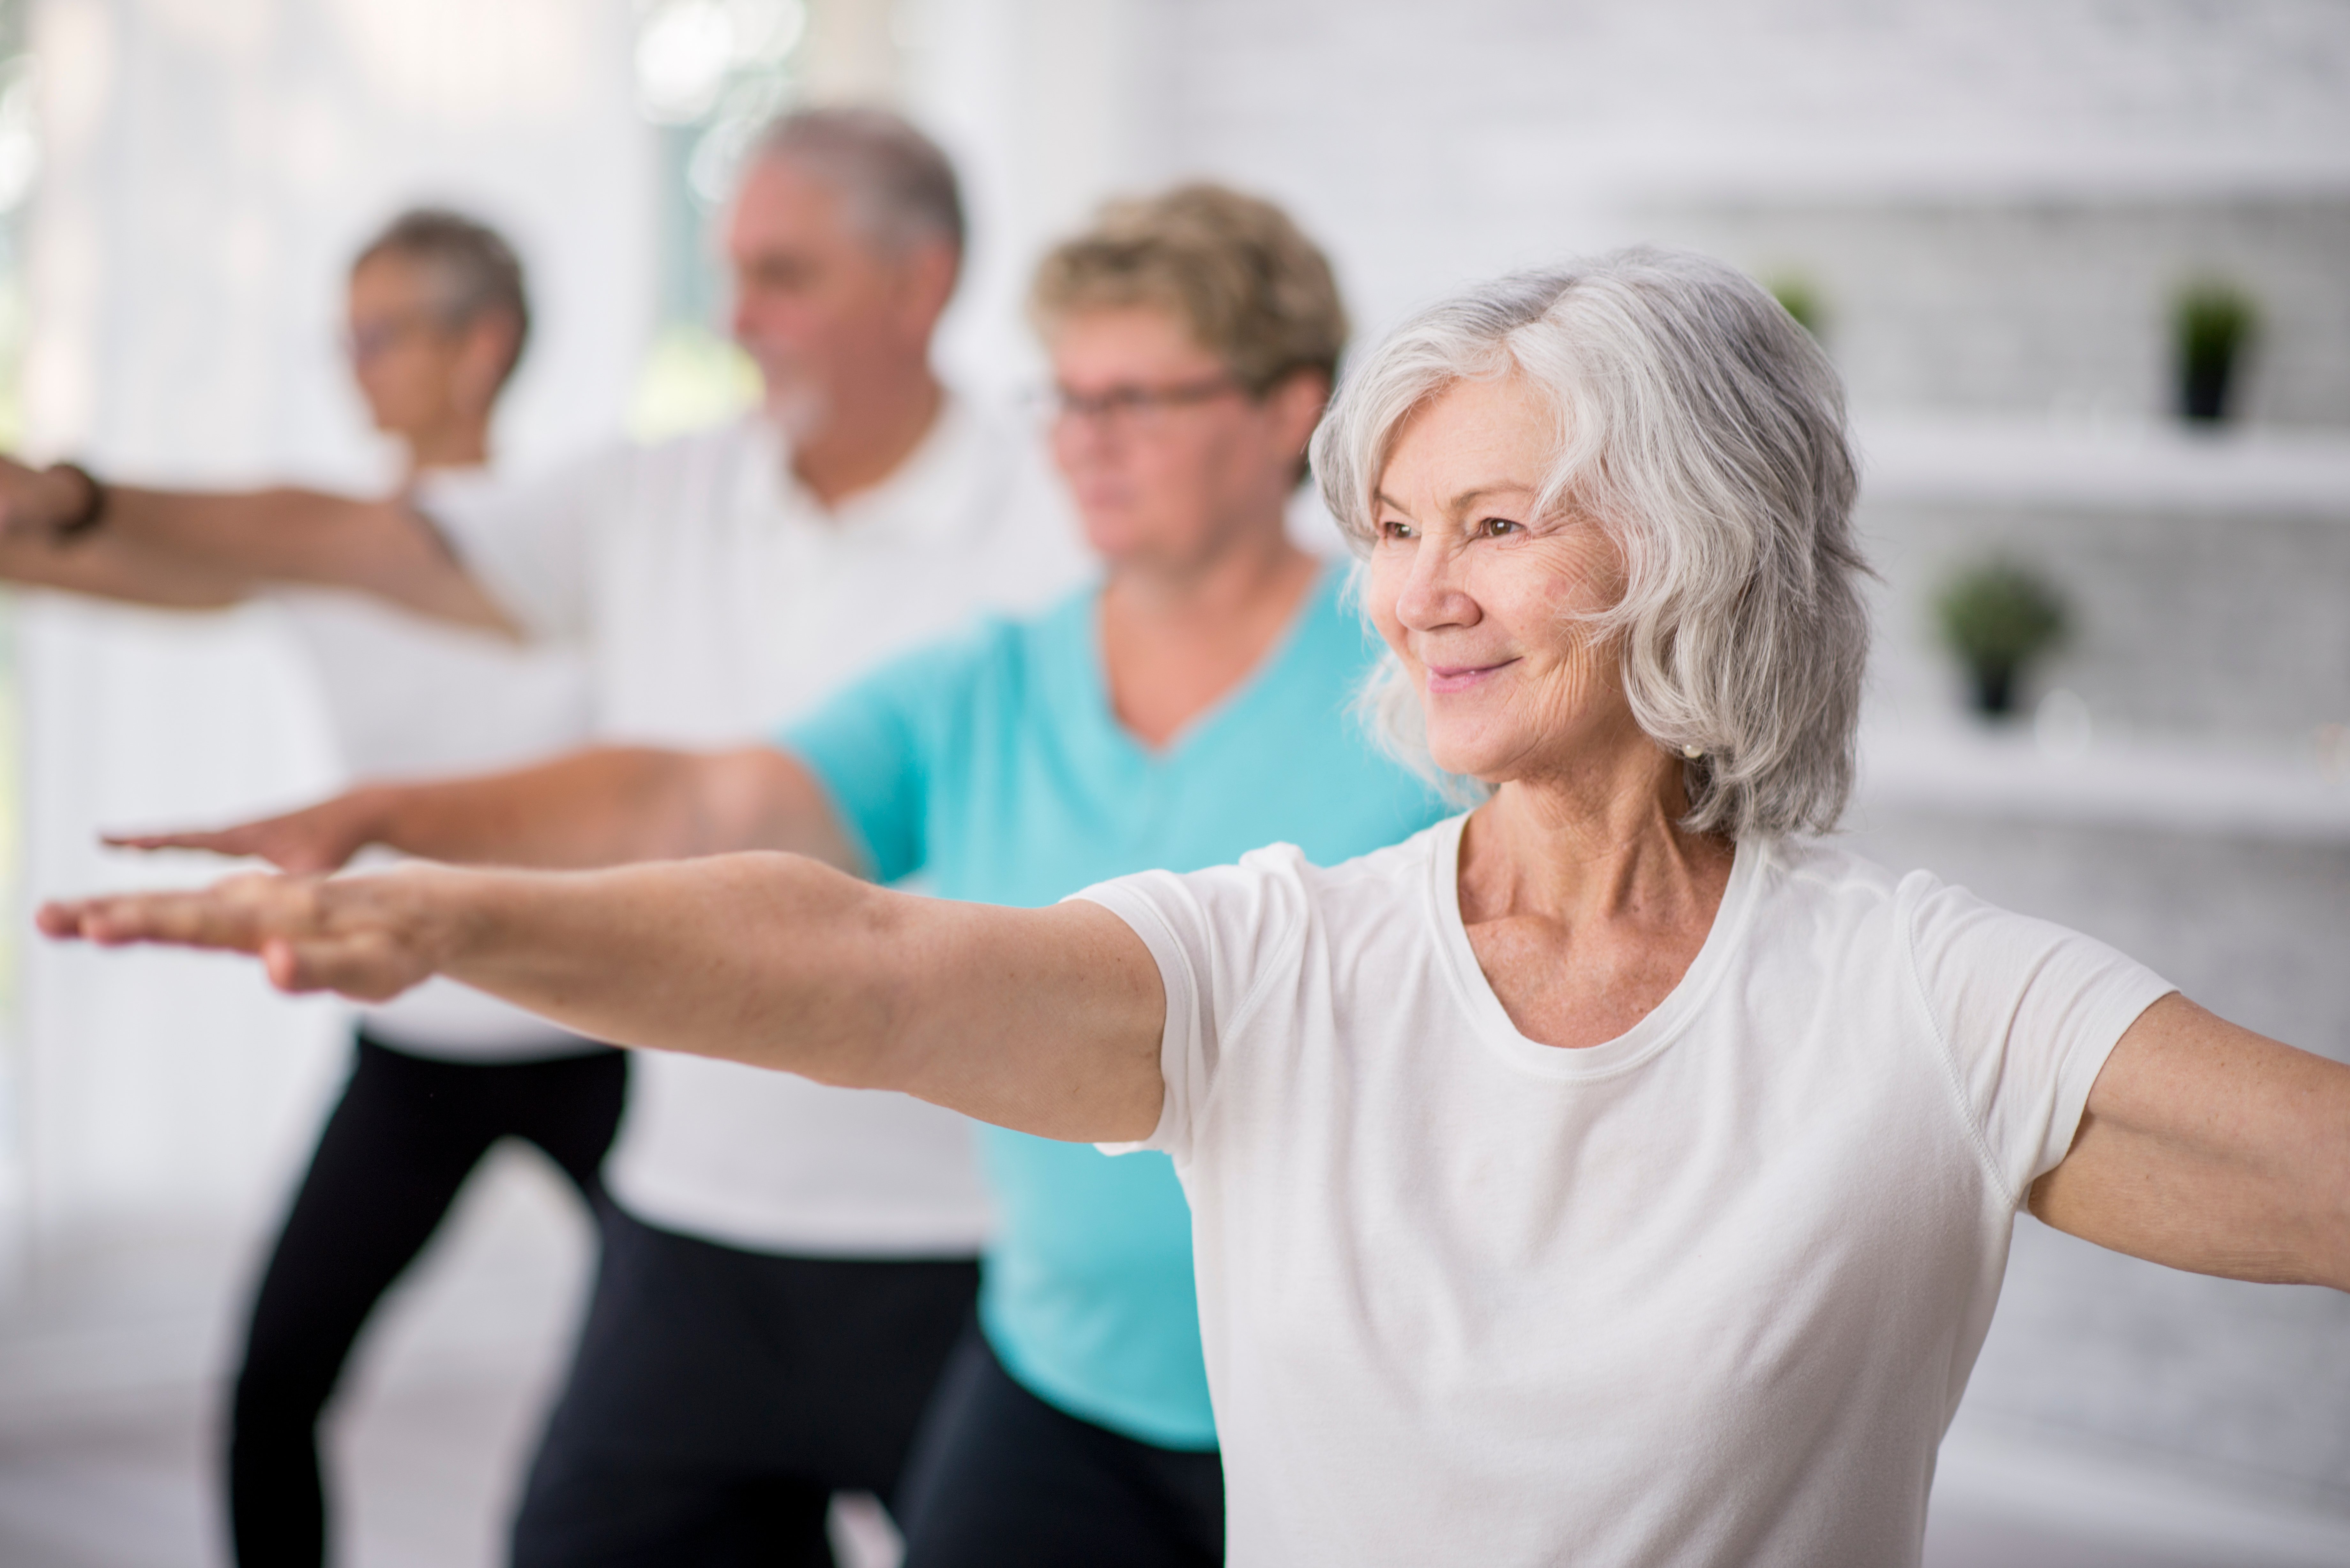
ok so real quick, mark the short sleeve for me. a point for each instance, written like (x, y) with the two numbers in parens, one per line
(530, 542)
(876, 747)
(2028, 1011)
(1218, 937)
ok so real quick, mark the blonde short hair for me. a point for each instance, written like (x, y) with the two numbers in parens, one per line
(1705, 430)
(1253, 290)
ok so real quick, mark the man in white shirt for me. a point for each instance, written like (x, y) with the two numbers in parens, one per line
(785, 1265)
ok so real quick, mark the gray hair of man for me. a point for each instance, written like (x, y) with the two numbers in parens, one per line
(1705, 430)
(898, 184)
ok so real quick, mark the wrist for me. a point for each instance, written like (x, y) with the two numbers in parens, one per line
(377, 815)
(432, 912)
(81, 501)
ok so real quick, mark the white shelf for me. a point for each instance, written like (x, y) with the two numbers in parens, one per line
(2137, 466)
(2172, 787)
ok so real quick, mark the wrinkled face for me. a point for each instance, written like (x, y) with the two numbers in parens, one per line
(1477, 594)
(817, 302)
(1165, 454)
(408, 360)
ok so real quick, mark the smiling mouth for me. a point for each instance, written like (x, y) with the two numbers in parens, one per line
(1444, 677)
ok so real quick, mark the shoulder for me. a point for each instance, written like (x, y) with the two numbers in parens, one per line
(1926, 915)
(1271, 897)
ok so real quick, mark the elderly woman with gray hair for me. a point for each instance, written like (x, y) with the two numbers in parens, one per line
(1616, 1172)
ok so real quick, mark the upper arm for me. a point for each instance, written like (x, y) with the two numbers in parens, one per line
(2207, 1147)
(874, 752)
(1044, 1021)
(761, 798)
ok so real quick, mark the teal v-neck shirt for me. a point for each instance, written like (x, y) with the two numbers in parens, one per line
(993, 766)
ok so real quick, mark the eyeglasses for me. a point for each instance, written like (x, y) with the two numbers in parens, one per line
(372, 340)
(1132, 407)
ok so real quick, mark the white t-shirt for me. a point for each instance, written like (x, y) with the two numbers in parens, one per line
(1706, 1293)
(717, 599)
(410, 697)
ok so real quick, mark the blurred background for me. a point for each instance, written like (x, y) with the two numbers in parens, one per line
(2086, 265)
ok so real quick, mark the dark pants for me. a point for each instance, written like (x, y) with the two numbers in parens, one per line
(1001, 1480)
(719, 1398)
(406, 1134)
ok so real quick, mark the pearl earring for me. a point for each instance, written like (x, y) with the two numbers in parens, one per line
(1692, 751)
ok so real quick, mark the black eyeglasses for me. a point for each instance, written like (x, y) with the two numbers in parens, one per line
(1130, 406)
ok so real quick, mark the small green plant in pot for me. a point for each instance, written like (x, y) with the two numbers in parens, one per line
(2212, 327)
(1998, 618)
(1800, 297)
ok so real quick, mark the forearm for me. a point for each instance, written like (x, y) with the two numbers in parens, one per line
(762, 958)
(312, 538)
(284, 534)
(1043, 1019)
(612, 806)
(1047, 1020)
(113, 568)
(608, 807)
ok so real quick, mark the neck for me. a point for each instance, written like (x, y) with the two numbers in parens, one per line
(456, 443)
(1593, 843)
(1176, 638)
(860, 444)
(1242, 575)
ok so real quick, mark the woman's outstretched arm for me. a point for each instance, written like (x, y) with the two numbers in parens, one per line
(2209, 1148)
(1046, 1021)
(603, 807)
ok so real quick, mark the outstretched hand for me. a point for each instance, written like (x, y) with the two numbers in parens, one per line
(360, 936)
(306, 842)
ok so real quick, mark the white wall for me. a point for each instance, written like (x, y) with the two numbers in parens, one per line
(209, 166)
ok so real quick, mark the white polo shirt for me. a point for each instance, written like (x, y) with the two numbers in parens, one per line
(410, 697)
(716, 599)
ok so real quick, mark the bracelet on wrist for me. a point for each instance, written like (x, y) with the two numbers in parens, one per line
(92, 511)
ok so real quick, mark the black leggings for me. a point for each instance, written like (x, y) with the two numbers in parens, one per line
(406, 1134)
(1001, 1480)
(721, 1397)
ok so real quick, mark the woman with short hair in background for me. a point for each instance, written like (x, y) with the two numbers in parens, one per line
(438, 318)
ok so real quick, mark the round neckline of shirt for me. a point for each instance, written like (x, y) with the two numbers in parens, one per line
(895, 504)
(1320, 598)
(1635, 1046)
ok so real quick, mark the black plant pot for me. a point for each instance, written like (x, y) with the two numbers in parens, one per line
(1995, 687)
(2203, 386)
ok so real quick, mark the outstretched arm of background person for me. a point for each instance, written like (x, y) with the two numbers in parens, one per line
(2209, 1147)
(607, 806)
(188, 549)
(1047, 1020)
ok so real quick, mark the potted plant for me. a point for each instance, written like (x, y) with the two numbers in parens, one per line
(1799, 298)
(1997, 618)
(2212, 324)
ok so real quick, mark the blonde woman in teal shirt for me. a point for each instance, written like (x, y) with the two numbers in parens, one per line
(1196, 704)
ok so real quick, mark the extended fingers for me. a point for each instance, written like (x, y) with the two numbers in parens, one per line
(237, 915)
(295, 844)
(180, 920)
(220, 842)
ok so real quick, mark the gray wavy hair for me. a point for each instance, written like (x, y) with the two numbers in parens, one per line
(1705, 430)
